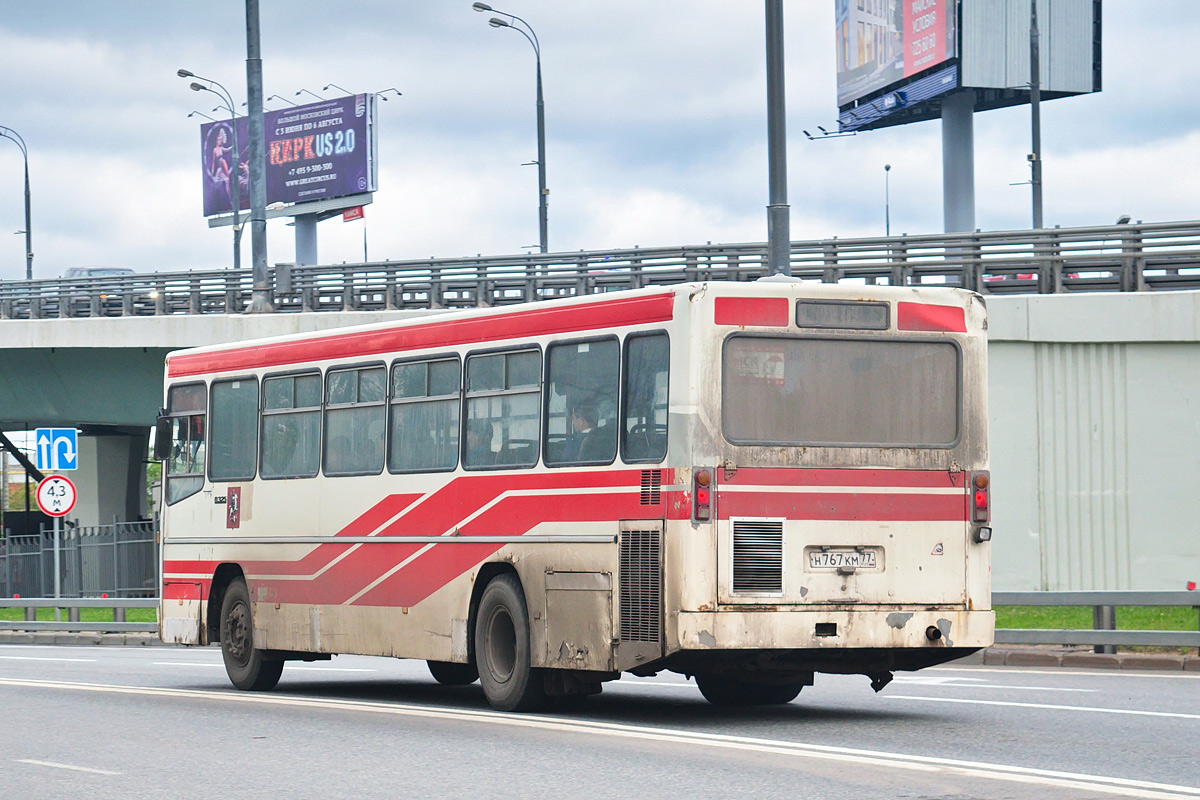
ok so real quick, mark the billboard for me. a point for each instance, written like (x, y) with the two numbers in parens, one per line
(317, 151)
(881, 43)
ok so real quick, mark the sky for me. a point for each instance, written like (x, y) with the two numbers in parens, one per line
(655, 125)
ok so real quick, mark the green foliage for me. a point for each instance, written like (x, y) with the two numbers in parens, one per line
(1138, 618)
(85, 614)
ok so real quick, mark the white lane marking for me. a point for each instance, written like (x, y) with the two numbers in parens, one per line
(952, 682)
(1124, 787)
(1048, 706)
(1114, 673)
(56, 765)
(222, 666)
(44, 658)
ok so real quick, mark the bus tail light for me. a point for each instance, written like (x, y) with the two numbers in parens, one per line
(981, 509)
(702, 494)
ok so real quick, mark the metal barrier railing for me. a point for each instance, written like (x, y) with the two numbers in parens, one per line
(1104, 635)
(1127, 258)
(73, 605)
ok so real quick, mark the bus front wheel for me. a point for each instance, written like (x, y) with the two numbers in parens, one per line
(724, 691)
(502, 651)
(245, 664)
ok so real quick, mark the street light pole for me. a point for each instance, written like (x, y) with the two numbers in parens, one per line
(887, 200)
(543, 192)
(13, 136)
(1035, 109)
(779, 260)
(261, 298)
(235, 177)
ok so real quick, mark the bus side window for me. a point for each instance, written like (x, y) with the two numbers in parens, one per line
(581, 402)
(185, 464)
(503, 409)
(424, 416)
(291, 426)
(355, 420)
(234, 443)
(644, 400)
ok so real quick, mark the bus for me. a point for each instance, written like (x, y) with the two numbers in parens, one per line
(743, 482)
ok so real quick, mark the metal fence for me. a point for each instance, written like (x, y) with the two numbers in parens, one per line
(1124, 258)
(120, 560)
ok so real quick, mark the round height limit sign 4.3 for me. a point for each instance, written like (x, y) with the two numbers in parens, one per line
(56, 495)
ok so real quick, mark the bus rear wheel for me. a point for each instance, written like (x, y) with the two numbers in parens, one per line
(448, 673)
(245, 664)
(502, 651)
(724, 691)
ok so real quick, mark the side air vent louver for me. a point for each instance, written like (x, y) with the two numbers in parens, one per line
(758, 556)
(651, 487)
(641, 585)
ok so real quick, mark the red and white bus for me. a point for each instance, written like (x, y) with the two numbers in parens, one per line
(746, 483)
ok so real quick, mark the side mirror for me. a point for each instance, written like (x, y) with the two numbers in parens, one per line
(162, 439)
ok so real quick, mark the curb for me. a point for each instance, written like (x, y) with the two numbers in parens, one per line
(90, 638)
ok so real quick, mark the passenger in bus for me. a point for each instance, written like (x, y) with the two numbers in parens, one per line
(479, 443)
(594, 441)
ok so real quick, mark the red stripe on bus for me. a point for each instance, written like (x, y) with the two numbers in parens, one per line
(844, 507)
(760, 311)
(181, 591)
(925, 317)
(800, 476)
(601, 315)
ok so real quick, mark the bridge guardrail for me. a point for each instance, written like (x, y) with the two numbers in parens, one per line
(1104, 635)
(1125, 258)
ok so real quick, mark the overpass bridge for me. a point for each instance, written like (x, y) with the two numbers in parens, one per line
(1094, 344)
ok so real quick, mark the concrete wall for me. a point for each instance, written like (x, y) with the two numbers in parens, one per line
(1095, 440)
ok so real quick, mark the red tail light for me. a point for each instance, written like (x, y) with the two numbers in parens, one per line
(981, 507)
(702, 494)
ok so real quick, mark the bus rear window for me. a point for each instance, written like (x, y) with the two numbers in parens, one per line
(840, 392)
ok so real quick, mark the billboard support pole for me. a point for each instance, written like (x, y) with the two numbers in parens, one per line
(306, 239)
(261, 298)
(958, 161)
(779, 261)
(1035, 114)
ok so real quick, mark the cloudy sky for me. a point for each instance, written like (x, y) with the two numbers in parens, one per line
(656, 128)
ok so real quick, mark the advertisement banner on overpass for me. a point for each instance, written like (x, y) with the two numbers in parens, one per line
(313, 152)
(881, 43)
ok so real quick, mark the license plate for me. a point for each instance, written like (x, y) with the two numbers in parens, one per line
(841, 559)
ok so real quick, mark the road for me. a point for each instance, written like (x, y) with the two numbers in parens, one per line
(164, 722)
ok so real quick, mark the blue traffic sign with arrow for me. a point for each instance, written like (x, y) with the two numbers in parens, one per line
(57, 449)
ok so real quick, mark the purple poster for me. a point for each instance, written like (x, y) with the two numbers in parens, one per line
(314, 152)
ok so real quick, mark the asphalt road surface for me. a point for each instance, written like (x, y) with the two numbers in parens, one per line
(97, 723)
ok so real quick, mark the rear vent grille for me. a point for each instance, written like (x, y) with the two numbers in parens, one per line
(758, 556)
(641, 585)
(651, 487)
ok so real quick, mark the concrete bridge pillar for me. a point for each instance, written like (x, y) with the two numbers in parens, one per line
(111, 479)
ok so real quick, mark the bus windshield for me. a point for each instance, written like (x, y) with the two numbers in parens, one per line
(841, 392)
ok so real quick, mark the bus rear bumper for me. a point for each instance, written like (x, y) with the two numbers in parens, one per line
(834, 629)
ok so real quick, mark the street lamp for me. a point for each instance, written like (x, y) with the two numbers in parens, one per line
(528, 33)
(887, 199)
(13, 136)
(235, 177)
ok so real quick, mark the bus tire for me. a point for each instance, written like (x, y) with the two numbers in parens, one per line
(723, 691)
(244, 663)
(502, 649)
(448, 673)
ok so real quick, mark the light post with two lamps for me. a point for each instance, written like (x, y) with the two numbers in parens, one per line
(15, 138)
(235, 173)
(528, 33)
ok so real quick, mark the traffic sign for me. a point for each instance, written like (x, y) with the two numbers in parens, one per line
(56, 495)
(57, 449)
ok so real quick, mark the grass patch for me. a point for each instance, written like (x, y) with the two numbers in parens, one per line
(1135, 618)
(85, 614)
